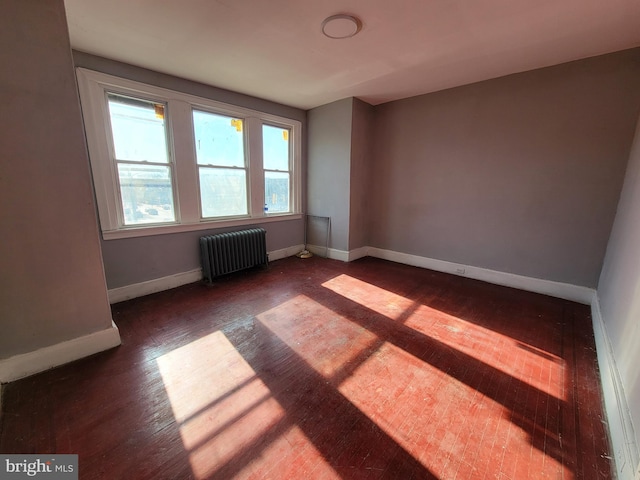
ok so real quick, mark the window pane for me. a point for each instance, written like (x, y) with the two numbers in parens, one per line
(223, 192)
(219, 139)
(276, 192)
(138, 129)
(146, 194)
(275, 146)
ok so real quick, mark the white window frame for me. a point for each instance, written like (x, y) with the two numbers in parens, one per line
(94, 86)
(170, 164)
(290, 169)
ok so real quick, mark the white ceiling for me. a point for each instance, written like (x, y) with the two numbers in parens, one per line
(274, 49)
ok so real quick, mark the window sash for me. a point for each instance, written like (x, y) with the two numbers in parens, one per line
(274, 201)
(235, 206)
(124, 131)
(231, 144)
(157, 211)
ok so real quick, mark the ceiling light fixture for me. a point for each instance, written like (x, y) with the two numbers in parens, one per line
(341, 26)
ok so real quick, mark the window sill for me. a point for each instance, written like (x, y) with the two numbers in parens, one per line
(146, 231)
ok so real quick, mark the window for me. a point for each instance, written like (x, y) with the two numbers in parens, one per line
(164, 161)
(222, 170)
(140, 152)
(277, 168)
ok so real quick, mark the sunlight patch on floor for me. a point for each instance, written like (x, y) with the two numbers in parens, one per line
(416, 406)
(421, 408)
(224, 411)
(382, 378)
(492, 348)
(465, 415)
(325, 339)
(408, 390)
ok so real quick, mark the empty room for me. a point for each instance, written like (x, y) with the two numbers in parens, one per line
(324, 240)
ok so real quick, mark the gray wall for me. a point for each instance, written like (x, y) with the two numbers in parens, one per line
(139, 74)
(134, 260)
(519, 174)
(360, 175)
(329, 164)
(619, 286)
(52, 285)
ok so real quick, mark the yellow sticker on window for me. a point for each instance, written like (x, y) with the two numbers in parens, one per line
(236, 122)
(285, 135)
(159, 109)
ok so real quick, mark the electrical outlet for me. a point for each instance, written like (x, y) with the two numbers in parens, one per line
(460, 271)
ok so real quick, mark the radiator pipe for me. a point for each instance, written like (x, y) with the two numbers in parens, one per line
(305, 253)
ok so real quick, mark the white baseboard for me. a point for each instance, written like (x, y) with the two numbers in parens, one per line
(285, 252)
(546, 287)
(135, 290)
(621, 431)
(357, 253)
(341, 255)
(332, 253)
(23, 365)
(156, 285)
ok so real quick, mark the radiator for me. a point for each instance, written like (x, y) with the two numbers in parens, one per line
(230, 252)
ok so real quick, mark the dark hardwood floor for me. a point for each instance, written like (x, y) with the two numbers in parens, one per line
(317, 369)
